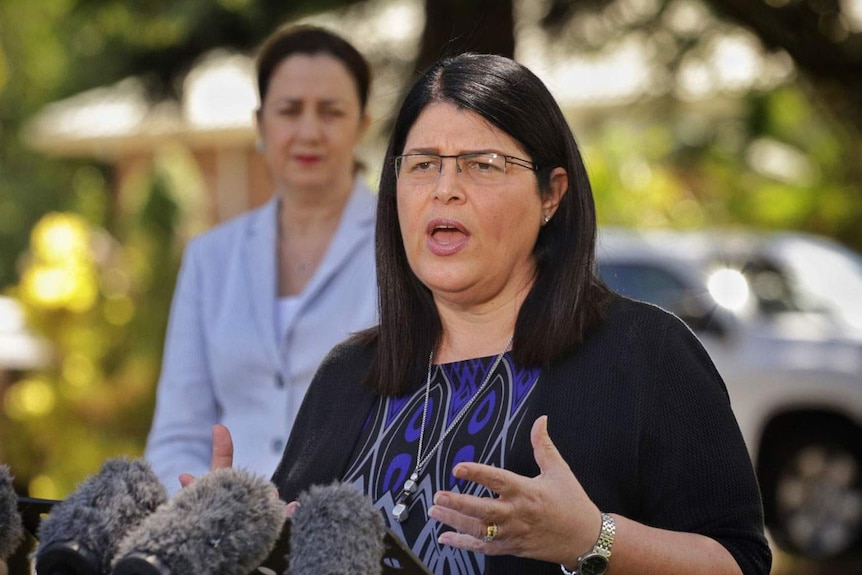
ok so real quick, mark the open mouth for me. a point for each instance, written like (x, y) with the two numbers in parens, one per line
(446, 237)
(447, 234)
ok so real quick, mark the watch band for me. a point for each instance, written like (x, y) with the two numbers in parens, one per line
(606, 536)
(602, 546)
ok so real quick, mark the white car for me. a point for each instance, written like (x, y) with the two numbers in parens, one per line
(781, 316)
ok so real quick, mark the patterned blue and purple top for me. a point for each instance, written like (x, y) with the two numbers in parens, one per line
(386, 452)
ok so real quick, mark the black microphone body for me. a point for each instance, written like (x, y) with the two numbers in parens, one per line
(11, 526)
(335, 530)
(226, 522)
(81, 535)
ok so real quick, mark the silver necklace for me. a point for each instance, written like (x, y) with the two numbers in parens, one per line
(400, 511)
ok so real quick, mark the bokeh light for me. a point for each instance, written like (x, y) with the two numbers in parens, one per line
(62, 273)
(729, 288)
(30, 398)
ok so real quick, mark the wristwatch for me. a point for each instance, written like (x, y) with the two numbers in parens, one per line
(596, 561)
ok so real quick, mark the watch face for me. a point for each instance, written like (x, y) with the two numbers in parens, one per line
(593, 565)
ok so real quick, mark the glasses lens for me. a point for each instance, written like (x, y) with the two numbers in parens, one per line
(479, 169)
(418, 168)
(482, 168)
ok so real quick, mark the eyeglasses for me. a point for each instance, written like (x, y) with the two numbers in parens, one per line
(485, 168)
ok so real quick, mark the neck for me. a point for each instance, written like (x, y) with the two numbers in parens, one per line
(306, 225)
(474, 336)
(303, 212)
(478, 330)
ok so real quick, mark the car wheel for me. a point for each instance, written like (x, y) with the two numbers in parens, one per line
(813, 494)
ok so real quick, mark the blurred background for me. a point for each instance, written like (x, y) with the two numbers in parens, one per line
(126, 128)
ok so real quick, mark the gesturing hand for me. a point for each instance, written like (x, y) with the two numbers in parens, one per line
(222, 455)
(547, 517)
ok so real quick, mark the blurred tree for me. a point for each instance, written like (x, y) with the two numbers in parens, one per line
(777, 164)
(783, 157)
(820, 36)
(823, 37)
(100, 292)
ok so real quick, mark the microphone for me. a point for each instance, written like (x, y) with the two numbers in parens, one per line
(226, 522)
(11, 526)
(336, 529)
(82, 533)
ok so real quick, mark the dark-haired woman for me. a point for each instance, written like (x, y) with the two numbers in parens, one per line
(510, 415)
(261, 298)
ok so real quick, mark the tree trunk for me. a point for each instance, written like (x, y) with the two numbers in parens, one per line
(456, 26)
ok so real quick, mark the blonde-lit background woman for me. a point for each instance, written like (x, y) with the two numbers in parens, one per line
(261, 299)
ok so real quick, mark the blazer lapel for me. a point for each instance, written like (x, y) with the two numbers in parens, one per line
(260, 266)
(356, 226)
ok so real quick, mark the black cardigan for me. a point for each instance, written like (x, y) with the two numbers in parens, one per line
(638, 411)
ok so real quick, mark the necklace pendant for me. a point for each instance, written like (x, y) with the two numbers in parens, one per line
(399, 512)
(410, 485)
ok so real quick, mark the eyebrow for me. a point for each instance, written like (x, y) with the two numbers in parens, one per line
(293, 101)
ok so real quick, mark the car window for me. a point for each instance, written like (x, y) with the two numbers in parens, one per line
(828, 276)
(769, 284)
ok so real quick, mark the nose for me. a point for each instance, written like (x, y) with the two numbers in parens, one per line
(309, 125)
(448, 187)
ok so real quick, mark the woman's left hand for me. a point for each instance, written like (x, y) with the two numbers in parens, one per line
(547, 517)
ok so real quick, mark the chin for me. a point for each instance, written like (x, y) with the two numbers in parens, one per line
(310, 180)
(448, 286)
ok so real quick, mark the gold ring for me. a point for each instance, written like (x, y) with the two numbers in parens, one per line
(490, 533)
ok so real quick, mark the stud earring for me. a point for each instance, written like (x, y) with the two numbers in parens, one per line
(546, 218)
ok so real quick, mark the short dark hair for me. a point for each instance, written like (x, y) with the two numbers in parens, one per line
(306, 39)
(567, 299)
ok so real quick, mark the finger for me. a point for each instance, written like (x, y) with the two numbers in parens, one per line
(498, 480)
(222, 447)
(470, 530)
(457, 520)
(291, 508)
(544, 451)
(470, 543)
(483, 509)
(186, 479)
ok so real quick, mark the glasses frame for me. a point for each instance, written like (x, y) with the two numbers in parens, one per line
(513, 160)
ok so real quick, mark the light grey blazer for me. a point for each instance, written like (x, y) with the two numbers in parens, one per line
(223, 362)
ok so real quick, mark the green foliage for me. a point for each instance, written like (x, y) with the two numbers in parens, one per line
(775, 162)
(99, 292)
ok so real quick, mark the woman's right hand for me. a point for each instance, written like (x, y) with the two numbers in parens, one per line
(222, 455)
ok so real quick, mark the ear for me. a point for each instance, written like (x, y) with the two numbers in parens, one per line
(558, 188)
(364, 122)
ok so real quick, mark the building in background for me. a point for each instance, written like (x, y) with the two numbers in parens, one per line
(20, 350)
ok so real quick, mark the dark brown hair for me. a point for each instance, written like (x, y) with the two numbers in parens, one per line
(305, 39)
